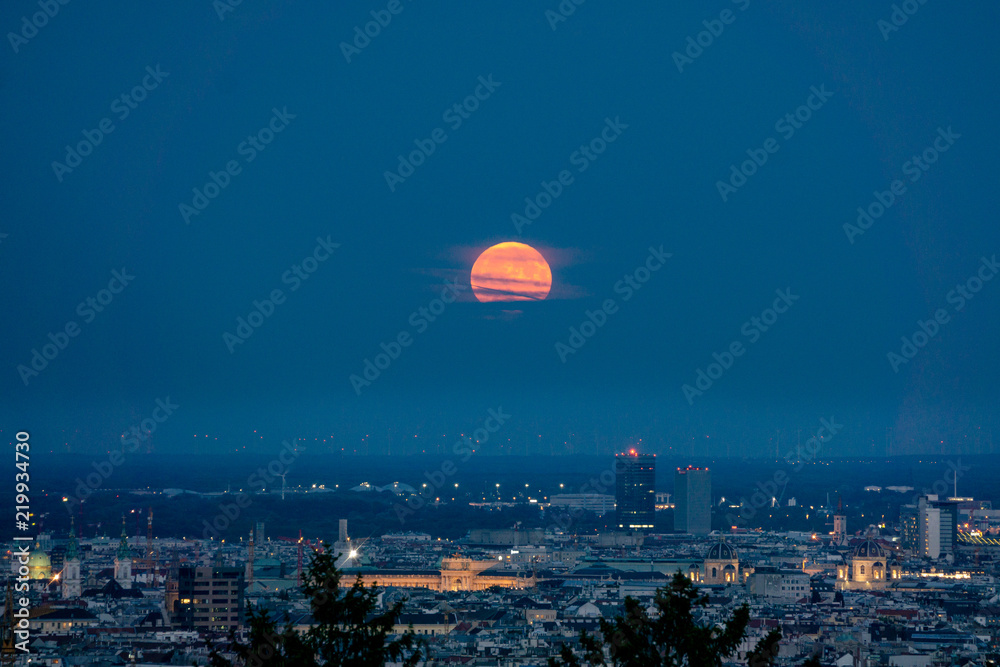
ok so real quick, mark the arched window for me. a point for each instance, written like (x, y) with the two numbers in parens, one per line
(714, 573)
(862, 569)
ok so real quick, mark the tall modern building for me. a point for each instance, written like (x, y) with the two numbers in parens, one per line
(693, 501)
(948, 511)
(930, 528)
(909, 521)
(635, 491)
(937, 526)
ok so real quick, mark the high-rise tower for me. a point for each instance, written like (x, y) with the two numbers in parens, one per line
(693, 501)
(635, 491)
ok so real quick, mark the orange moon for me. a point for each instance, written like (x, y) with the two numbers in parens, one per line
(511, 272)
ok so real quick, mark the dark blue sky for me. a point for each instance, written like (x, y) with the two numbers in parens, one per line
(656, 184)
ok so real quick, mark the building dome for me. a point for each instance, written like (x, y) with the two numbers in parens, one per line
(39, 565)
(869, 549)
(721, 551)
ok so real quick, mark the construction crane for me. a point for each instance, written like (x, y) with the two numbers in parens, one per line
(317, 546)
(8, 650)
(299, 542)
(150, 560)
(250, 566)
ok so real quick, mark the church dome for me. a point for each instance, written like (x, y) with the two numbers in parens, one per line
(39, 565)
(721, 551)
(869, 549)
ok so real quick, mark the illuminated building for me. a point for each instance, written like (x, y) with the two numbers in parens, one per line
(868, 567)
(722, 564)
(39, 565)
(208, 598)
(455, 574)
(909, 521)
(71, 584)
(635, 491)
(937, 522)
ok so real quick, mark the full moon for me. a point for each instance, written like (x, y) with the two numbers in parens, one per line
(511, 272)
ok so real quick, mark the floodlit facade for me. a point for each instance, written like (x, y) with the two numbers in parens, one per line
(868, 567)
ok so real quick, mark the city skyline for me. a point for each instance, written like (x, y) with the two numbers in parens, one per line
(573, 334)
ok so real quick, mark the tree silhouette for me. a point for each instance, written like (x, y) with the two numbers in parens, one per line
(671, 637)
(346, 631)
